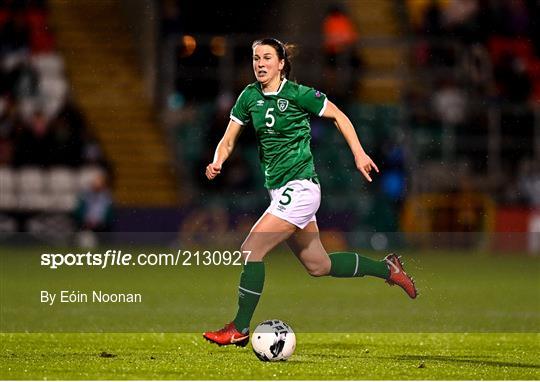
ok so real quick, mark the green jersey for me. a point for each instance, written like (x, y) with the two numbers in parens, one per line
(281, 122)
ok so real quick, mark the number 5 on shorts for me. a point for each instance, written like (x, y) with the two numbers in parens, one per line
(287, 196)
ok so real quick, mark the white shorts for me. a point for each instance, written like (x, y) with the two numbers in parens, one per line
(296, 202)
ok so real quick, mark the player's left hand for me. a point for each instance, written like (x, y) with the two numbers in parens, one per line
(365, 164)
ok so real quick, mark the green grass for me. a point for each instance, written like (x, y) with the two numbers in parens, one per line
(371, 331)
(318, 356)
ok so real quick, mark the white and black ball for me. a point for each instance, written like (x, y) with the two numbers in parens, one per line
(273, 340)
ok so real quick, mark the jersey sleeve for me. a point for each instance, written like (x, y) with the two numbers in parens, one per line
(240, 111)
(311, 100)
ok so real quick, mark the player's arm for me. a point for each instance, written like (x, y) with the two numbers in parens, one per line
(363, 162)
(224, 149)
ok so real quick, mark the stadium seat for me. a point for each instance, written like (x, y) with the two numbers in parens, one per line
(34, 200)
(31, 180)
(61, 180)
(53, 92)
(7, 180)
(48, 64)
(63, 202)
(8, 201)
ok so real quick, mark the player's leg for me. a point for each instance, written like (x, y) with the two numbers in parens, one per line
(307, 246)
(267, 233)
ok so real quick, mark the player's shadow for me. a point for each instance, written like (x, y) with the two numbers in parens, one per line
(479, 360)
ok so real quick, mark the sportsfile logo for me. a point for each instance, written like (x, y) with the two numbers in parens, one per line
(113, 257)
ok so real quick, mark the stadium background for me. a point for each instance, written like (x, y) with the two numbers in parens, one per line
(444, 95)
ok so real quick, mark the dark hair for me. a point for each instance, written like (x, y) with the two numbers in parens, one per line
(283, 52)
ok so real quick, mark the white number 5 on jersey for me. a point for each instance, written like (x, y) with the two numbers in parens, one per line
(269, 116)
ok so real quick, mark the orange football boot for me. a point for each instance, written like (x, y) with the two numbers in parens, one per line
(229, 335)
(398, 275)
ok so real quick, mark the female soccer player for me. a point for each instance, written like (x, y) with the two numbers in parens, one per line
(279, 111)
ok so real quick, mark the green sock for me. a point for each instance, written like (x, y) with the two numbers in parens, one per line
(249, 292)
(349, 264)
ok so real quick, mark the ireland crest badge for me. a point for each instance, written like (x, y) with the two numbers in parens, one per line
(282, 104)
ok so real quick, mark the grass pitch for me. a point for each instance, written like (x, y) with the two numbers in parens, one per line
(478, 317)
(318, 356)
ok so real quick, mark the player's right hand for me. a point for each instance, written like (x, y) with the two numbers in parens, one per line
(213, 170)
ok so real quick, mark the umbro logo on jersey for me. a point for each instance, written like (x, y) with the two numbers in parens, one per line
(282, 104)
(260, 102)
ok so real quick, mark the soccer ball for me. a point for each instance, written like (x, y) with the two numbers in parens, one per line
(273, 340)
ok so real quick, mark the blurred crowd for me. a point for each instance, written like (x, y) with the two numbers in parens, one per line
(498, 41)
(39, 124)
(478, 84)
(49, 161)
